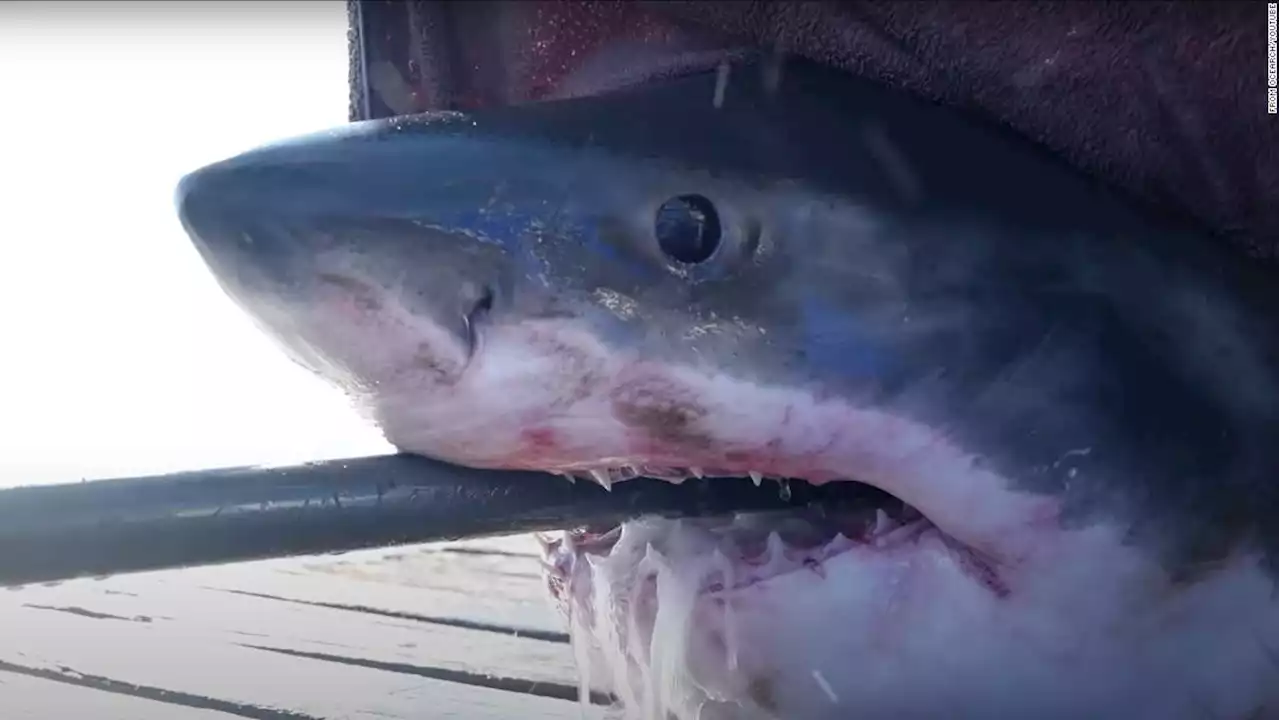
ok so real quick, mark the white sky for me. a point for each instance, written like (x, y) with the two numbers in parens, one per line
(119, 355)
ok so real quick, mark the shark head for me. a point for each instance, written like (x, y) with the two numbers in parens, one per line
(1068, 406)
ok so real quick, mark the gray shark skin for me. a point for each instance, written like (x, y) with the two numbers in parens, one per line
(858, 287)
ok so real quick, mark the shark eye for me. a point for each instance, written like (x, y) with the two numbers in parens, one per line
(687, 228)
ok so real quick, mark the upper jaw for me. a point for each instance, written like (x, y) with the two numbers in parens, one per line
(972, 506)
(554, 396)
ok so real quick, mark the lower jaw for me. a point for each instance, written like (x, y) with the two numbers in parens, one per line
(660, 604)
(709, 605)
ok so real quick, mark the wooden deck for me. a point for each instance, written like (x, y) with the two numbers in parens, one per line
(457, 630)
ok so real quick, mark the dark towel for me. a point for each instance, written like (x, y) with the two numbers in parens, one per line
(1163, 100)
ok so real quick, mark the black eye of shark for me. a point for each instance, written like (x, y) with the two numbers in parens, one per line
(687, 229)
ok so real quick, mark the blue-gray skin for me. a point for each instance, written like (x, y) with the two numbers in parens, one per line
(1080, 399)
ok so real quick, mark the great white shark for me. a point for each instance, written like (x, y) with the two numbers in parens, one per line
(1068, 403)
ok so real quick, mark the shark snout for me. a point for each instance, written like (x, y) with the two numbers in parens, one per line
(405, 218)
(236, 217)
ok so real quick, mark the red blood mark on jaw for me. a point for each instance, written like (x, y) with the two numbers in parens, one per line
(539, 439)
(539, 447)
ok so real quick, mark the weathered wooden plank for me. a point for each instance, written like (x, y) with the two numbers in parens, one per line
(387, 634)
(496, 581)
(23, 697)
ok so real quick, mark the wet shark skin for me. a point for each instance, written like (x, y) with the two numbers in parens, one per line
(992, 300)
(992, 341)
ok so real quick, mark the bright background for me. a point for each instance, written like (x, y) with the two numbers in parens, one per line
(119, 355)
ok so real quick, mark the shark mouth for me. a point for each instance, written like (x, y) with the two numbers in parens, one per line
(672, 613)
(651, 602)
(764, 544)
(751, 547)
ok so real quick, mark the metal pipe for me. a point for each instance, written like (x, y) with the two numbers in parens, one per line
(103, 527)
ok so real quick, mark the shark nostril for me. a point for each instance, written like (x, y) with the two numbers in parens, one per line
(481, 307)
(687, 229)
(484, 303)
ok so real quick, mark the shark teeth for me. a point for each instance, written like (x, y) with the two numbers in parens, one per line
(602, 478)
(606, 476)
(882, 523)
(775, 549)
(900, 533)
(737, 551)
